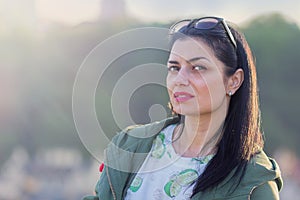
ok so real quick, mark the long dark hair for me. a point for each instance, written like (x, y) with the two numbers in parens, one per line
(241, 135)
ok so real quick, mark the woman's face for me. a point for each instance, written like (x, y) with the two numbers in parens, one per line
(196, 81)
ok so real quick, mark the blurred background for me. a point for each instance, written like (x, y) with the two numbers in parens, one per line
(44, 42)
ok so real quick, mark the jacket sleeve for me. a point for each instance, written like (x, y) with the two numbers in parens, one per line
(267, 191)
(102, 189)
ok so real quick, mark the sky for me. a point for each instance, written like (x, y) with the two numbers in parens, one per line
(234, 10)
(74, 12)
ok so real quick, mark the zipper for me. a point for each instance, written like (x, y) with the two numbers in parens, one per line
(110, 184)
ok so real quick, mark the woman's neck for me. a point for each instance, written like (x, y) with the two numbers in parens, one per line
(200, 135)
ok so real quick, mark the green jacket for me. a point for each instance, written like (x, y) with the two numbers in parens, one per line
(127, 151)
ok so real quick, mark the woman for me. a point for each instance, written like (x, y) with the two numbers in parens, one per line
(213, 147)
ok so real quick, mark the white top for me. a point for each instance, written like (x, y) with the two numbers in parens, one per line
(164, 174)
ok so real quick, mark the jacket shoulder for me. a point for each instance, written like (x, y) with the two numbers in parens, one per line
(262, 179)
(136, 134)
(262, 169)
(266, 191)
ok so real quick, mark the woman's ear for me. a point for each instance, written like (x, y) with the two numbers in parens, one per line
(235, 81)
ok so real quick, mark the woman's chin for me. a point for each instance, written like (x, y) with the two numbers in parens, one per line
(186, 112)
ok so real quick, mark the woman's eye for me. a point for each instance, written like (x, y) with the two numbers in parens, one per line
(199, 67)
(173, 68)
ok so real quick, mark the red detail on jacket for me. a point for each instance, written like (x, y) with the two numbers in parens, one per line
(101, 167)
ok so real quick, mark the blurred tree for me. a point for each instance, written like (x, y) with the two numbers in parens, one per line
(275, 41)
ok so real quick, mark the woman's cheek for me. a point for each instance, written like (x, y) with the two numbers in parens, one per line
(170, 84)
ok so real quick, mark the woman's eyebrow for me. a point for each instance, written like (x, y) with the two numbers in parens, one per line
(190, 60)
(197, 58)
(173, 62)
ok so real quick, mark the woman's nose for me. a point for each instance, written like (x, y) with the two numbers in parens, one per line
(182, 77)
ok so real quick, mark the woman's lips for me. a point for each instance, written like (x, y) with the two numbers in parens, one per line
(182, 96)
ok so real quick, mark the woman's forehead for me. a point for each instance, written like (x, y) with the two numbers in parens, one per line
(188, 48)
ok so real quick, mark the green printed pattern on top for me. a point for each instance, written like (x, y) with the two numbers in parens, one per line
(159, 147)
(176, 184)
(136, 184)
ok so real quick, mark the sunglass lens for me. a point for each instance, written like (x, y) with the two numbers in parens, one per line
(206, 23)
(176, 27)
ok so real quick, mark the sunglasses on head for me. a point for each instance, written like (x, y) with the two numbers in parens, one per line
(204, 23)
